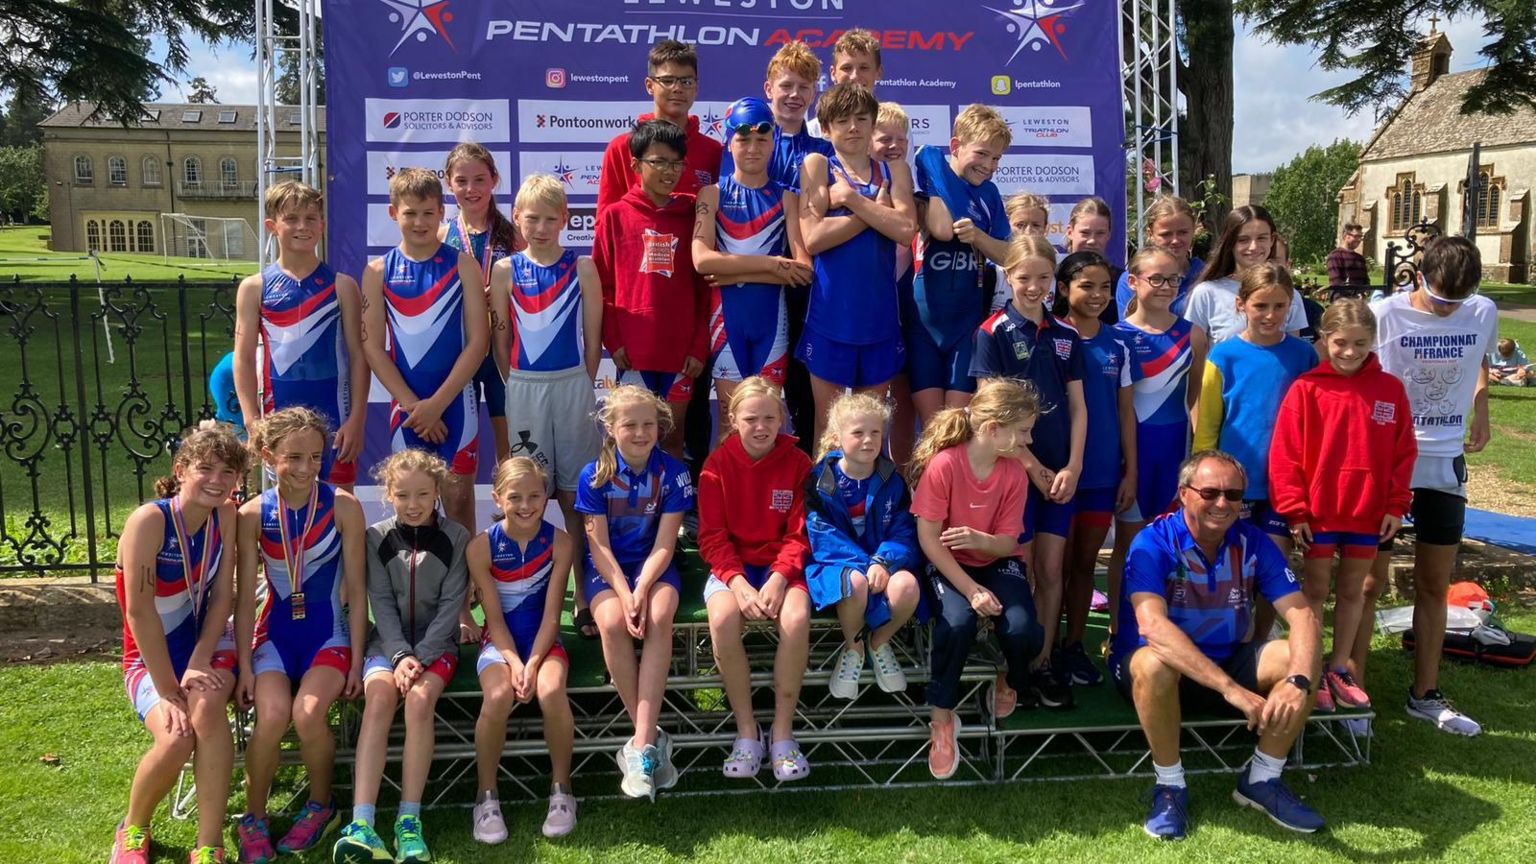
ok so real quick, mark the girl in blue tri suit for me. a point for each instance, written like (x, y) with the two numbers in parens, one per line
(1164, 348)
(425, 333)
(306, 650)
(857, 210)
(174, 584)
(754, 250)
(514, 565)
(482, 230)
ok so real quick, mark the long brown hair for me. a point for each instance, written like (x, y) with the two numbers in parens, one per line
(998, 401)
(503, 235)
(1224, 262)
(210, 441)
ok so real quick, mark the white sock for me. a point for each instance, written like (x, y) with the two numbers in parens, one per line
(1264, 767)
(1170, 775)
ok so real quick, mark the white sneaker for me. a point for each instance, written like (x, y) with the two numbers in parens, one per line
(666, 772)
(1437, 709)
(489, 826)
(639, 771)
(561, 818)
(888, 674)
(845, 680)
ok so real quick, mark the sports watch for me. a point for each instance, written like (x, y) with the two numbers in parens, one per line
(1302, 683)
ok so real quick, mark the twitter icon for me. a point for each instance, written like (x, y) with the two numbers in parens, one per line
(399, 76)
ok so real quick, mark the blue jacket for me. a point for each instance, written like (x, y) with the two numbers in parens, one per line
(890, 534)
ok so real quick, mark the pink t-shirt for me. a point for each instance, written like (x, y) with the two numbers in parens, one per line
(950, 494)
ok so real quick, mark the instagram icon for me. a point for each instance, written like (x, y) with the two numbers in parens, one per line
(554, 78)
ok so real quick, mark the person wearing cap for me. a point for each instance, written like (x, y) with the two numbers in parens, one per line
(748, 237)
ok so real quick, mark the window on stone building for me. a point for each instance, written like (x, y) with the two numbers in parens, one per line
(144, 234)
(229, 173)
(117, 171)
(117, 236)
(1490, 195)
(151, 169)
(192, 171)
(92, 235)
(85, 172)
(1405, 203)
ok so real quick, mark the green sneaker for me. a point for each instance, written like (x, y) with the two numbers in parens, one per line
(359, 844)
(410, 846)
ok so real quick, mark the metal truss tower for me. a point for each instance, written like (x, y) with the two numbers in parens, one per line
(277, 163)
(1149, 65)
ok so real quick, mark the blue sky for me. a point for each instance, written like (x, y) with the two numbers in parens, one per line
(1275, 118)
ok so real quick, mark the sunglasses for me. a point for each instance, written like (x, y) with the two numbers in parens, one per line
(762, 127)
(1443, 301)
(1211, 493)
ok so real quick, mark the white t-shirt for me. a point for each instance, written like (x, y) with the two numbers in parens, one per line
(1438, 360)
(1213, 306)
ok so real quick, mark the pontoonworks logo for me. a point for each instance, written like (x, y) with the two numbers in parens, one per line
(421, 19)
(1038, 23)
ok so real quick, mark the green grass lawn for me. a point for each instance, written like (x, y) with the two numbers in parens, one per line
(1426, 797)
(1512, 452)
(21, 245)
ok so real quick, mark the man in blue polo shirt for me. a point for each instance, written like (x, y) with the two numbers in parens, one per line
(1186, 639)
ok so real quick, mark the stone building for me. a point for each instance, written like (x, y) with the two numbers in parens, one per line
(108, 183)
(1250, 189)
(1417, 163)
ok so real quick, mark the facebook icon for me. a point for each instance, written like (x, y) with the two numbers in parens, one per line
(399, 76)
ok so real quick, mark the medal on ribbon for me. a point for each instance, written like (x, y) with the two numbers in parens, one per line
(293, 547)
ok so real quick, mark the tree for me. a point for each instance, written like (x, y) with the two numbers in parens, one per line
(1303, 197)
(28, 107)
(1205, 80)
(100, 51)
(201, 92)
(1376, 39)
(288, 76)
(21, 181)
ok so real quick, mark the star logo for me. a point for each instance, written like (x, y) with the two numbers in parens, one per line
(1037, 23)
(420, 18)
(566, 173)
(714, 124)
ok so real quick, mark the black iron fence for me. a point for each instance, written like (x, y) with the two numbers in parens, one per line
(96, 385)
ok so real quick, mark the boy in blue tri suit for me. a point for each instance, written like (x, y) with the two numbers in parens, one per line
(309, 321)
(790, 89)
(748, 236)
(857, 210)
(425, 333)
(963, 217)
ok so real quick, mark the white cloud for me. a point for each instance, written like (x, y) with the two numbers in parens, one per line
(231, 69)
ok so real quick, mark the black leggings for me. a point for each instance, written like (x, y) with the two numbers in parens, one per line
(954, 628)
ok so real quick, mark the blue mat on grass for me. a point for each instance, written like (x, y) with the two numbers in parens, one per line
(1501, 529)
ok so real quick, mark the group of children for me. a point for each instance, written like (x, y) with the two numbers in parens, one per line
(1054, 398)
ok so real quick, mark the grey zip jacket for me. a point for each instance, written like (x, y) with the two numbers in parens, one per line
(417, 581)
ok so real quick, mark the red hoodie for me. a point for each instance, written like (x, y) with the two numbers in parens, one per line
(654, 305)
(1343, 450)
(754, 512)
(701, 165)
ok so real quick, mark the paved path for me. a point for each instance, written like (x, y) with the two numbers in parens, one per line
(1517, 311)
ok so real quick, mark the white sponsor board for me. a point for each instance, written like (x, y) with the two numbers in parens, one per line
(384, 164)
(1046, 174)
(930, 125)
(1046, 126)
(547, 121)
(432, 120)
(578, 171)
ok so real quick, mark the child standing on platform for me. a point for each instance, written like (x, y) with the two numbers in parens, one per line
(1163, 348)
(425, 334)
(308, 319)
(175, 587)
(302, 651)
(1027, 214)
(863, 542)
(482, 230)
(633, 498)
(748, 237)
(417, 584)
(857, 210)
(1248, 239)
(963, 226)
(516, 566)
(890, 144)
(546, 330)
(655, 307)
(969, 504)
(1108, 482)
(1088, 230)
(1339, 473)
(1170, 223)
(752, 537)
(1026, 342)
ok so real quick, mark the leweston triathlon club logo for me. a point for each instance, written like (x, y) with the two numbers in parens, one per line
(1038, 24)
(712, 124)
(564, 173)
(421, 20)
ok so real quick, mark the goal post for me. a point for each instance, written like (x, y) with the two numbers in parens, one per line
(214, 238)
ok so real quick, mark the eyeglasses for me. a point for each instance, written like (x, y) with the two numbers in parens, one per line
(665, 166)
(1158, 280)
(1443, 301)
(762, 127)
(1211, 493)
(671, 81)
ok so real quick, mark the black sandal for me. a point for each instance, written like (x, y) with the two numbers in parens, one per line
(586, 628)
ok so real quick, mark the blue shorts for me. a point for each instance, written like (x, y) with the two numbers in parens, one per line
(1257, 512)
(743, 349)
(593, 584)
(846, 365)
(141, 686)
(933, 367)
(443, 667)
(460, 449)
(1346, 543)
(1044, 516)
(489, 384)
(1094, 506)
(295, 661)
(1157, 480)
(668, 386)
(522, 643)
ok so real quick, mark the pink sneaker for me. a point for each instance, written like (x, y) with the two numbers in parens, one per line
(1345, 691)
(1325, 699)
(253, 840)
(313, 824)
(131, 845)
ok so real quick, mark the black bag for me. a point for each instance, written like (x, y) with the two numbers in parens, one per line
(1520, 651)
